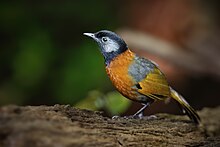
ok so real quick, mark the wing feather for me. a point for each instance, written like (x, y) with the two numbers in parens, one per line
(155, 85)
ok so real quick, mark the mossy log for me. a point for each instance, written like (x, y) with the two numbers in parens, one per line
(63, 125)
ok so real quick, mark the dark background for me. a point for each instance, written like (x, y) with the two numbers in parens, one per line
(45, 59)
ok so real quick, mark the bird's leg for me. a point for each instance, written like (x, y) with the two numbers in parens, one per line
(140, 113)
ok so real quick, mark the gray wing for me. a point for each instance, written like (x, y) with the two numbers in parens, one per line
(150, 81)
(140, 67)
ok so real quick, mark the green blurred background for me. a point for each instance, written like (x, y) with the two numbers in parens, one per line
(45, 59)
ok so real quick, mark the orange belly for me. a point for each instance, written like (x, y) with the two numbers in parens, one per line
(117, 71)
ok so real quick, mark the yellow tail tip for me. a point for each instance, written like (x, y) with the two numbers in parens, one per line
(185, 105)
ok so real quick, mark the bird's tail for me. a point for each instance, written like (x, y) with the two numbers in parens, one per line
(186, 107)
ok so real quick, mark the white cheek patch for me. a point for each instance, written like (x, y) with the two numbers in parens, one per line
(111, 46)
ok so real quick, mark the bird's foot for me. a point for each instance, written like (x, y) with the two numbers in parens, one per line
(140, 116)
(115, 117)
(150, 117)
(127, 117)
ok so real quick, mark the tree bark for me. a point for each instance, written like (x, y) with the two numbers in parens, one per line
(63, 125)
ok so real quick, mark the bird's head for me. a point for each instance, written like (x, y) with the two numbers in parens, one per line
(111, 45)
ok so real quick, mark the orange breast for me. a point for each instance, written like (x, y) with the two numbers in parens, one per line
(117, 71)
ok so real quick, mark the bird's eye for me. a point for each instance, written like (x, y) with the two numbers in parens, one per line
(104, 39)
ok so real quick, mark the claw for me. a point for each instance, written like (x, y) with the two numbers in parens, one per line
(115, 117)
(151, 117)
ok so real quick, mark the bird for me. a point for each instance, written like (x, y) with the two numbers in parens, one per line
(136, 78)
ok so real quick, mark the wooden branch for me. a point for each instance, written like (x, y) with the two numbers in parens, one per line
(62, 125)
